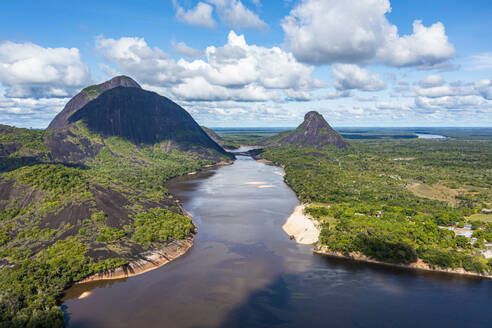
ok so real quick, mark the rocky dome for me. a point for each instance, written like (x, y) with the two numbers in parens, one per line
(88, 94)
(143, 117)
(314, 132)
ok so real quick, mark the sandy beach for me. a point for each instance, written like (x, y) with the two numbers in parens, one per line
(301, 227)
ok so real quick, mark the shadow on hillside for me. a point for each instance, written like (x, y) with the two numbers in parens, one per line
(8, 164)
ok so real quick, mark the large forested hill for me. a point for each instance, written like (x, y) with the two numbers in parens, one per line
(88, 194)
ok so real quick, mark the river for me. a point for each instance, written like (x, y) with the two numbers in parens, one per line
(244, 271)
(429, 136)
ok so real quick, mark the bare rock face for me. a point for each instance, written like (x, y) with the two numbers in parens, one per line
(218, 139)
(144, 117)
(120, 107)
(88, 94)
(214, 136)
(313, 132)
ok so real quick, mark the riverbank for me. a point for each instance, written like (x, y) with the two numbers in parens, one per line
(156, 258)
(151, 260)
(301, 227)
(419, 265)
(305, 230)
(218, 164)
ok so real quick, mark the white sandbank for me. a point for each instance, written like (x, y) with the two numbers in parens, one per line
(301, 227)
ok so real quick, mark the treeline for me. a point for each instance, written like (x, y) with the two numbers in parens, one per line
(30, 290)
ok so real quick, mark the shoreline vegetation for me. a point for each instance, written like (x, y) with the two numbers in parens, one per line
(299, 227)
(417, 266)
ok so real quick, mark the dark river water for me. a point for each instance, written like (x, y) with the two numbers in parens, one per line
(243, 271)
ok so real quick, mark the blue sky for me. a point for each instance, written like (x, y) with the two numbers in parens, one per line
(254, 62)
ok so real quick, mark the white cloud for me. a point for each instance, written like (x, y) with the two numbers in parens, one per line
(29, 70)
(445, 90)
(384, 105)
(452, 102)
(434, 80)
(336, 94)
(200, 15)
(29, 112)
(484, 87)
(108, 71)
(186, 51)
(230, 113)
(298, 95)
(339, 31)
(237, 70)
(349, 77)
(427, 47)
(401, 86)
(199, 89)
(234, 14)
(134, 57)
(434, 86)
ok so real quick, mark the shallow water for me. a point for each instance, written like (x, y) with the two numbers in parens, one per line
(243, 271)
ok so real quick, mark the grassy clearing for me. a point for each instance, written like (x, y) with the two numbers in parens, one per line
(436, 191)
(481, 217)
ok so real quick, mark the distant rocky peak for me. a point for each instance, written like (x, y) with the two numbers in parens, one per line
(315, 120)
(313, 116)
(314, 131)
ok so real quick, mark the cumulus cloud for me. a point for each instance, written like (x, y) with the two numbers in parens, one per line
(29, 112)
(200, 15)
(199, 89)
(231, 113)
(349, 77)
(184, 50)
(434, 86)
(384, 105)
(434, 96)
(29, 70)
(234, 14)
(434, 80)
(452, 102)
(427, 47)
(236, 70)
(134, 57)
(338, 31)
(484, 87)
(401, 86)
(445, 90)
